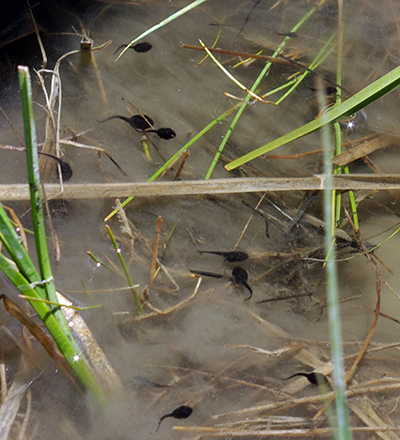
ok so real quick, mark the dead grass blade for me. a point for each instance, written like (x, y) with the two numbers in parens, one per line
(10, 407)
(364, 149)
(37, 332)
(155, 252)
(342, 182)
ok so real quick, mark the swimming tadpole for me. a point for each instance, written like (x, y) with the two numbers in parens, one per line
(66, 170)
(313, 377)
(138, 122)
(230, 257)
(163, 133)
(139, 47)
(240, 276)
(143, 124)
(202, 273)
(183, 412)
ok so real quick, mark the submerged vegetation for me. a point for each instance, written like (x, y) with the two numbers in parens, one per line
(184, 317)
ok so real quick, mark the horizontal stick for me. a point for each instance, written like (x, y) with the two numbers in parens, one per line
(214, 186)
(194, 187)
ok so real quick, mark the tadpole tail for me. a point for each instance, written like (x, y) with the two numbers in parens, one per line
(249, 289)
(113, 117)
(294, 375)
(119, 48)
(159, 423)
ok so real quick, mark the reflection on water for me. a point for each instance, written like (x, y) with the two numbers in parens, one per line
(202, 346)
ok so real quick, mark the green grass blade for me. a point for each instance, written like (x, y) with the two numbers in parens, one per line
(341, 426)
(162, 23)
(34, 181)
(11, 242)
(35, 192)
(127, 274)
(248, 97)
(70, 352)
(364, 97)
(52, 316)
(36, 196)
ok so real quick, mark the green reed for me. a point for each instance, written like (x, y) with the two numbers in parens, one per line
(19, 268)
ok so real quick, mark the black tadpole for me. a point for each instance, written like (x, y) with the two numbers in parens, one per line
(138, 122)
(328, 90)
(183, 412)
(287, 34)
(202, 273)
(163, 133)
(139, 47)
(66, 170)
(144, 124)
(240, 276)
(230, 257)
(313, 378)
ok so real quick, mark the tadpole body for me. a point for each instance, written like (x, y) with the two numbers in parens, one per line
(230, 257)
(66, 170)
(139, 47)
(138, 122)
(183, 412)
(313, 378)
(240, 276)
(163, 133)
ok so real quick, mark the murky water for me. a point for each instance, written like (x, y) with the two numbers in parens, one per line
(203, 353)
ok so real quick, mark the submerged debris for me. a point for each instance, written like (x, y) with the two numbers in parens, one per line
(183, 412)
(240, 276)
(230, 257)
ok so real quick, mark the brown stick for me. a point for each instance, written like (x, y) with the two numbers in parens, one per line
(241, 54)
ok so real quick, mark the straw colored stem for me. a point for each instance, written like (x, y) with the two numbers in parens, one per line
(215, 186)
(155, 252)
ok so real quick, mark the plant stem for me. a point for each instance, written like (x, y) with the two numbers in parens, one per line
(127, 274)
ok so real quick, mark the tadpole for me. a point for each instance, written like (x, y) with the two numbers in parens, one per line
(230, 257)
(183, 412)
(313, 378)
(138, 122)
(143, 124)
(139, 47)
(240, 276)
(328, 90)
(66, 170)
(202, 273)
(163, 133)
(145, 382)
(287, 34)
